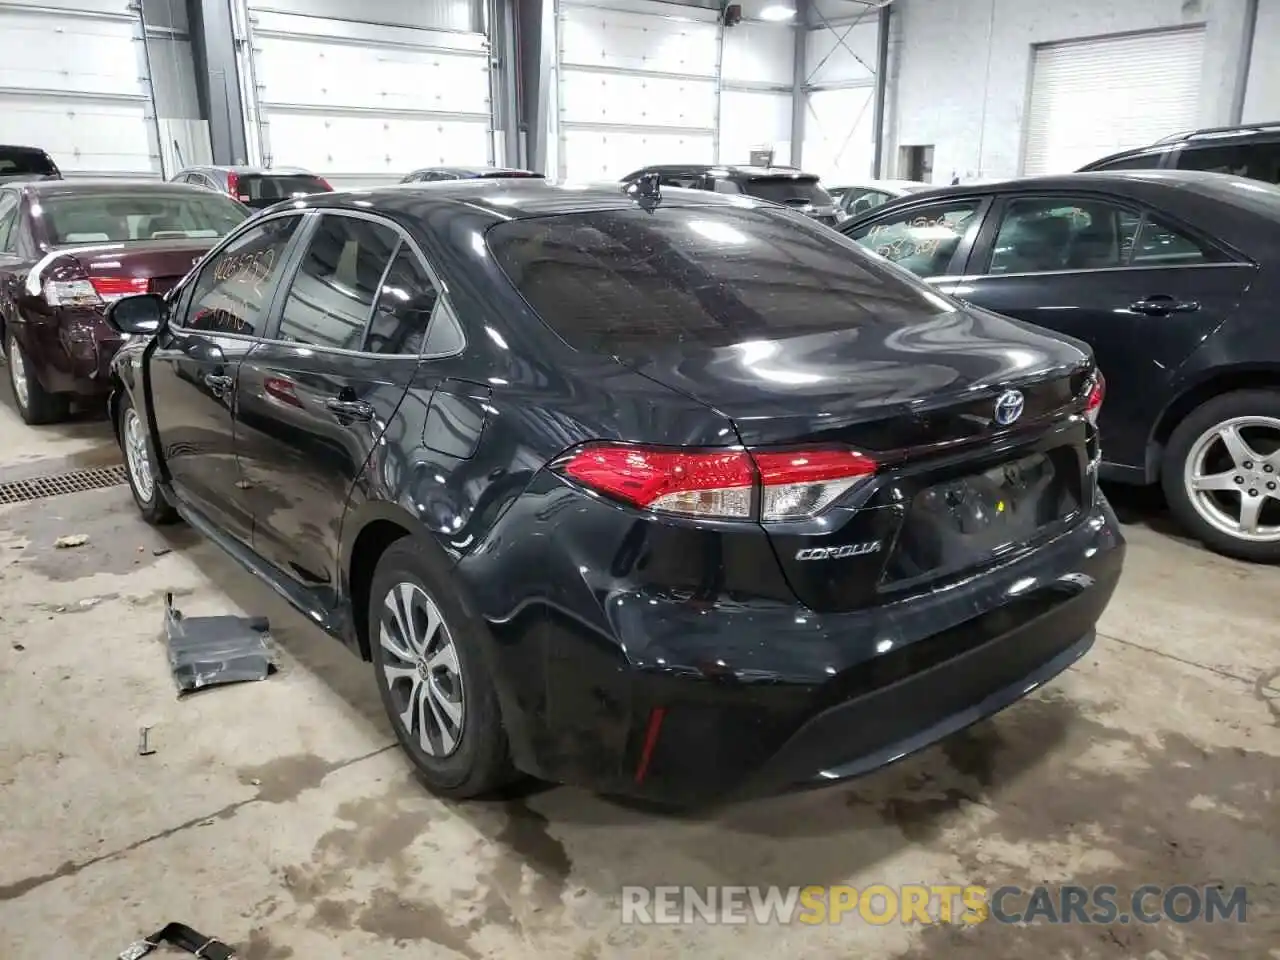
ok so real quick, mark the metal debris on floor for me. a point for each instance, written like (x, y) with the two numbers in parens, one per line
(144, 742)
(72, 540)
(209, 651)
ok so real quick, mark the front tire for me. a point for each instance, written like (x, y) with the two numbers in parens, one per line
(432, 675)
(1221, 474)
(140, 466)
(36, 405)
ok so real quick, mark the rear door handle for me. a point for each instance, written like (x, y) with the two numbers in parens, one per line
(349, 409)
(1159, 305)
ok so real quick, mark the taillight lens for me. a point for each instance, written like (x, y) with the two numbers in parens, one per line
(324, 183)
(70, 293)
(803, 483)
(1093, 399)
(721, 485)
(233, 188)
(113, 288)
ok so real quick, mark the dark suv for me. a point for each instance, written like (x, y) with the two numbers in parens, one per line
(784, 185)
(1251, 151)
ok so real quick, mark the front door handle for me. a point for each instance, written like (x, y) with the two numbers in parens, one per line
(349, 409)
(217, 382)
(1160, 305)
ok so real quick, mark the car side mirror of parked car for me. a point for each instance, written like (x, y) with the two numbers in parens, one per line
(138, 315)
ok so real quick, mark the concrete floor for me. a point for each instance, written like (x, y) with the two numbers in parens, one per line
(279, 817)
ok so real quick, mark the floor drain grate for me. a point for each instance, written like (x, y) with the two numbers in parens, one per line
(37, 488)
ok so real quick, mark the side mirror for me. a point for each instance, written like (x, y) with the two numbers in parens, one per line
(137, 316)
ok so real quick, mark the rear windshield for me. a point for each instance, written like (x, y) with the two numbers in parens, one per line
(277, 186)
(632, 283)
(788, 191)
(22, 163)
(123, 217)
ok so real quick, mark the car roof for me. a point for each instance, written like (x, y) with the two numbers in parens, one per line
(100, 184)
(246, 170)
(886, 184)
(730, 169)
(1077, 181)
(513, 198)
(19, 148)
(476, 171)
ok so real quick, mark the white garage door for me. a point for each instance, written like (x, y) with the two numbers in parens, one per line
(73, 82)
(1090, 98)
(634, 89)
(364, 103)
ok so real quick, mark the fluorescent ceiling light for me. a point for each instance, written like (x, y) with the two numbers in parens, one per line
(777, 12)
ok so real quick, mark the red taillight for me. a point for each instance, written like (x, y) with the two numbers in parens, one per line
(1093, 399)
(324, 183)
(719, 484)
(233, 188)
(113, 288)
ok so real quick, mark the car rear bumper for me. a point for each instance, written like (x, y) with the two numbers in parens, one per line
(708, 702)
(73, 353)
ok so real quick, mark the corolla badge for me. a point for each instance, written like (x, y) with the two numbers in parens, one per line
(1009, 407)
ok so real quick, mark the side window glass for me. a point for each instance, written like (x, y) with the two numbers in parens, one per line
(8, 222)
(1143, 161)
(333, 291)
(860, 201)
(1223, 158)
(726, 186)
(923, 240)
(403, 312)
(234, 289)
(1045, 234)
(1264, 161)
(1161, 245)
(445, 336)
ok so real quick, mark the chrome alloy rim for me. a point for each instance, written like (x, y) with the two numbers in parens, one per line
(1232, 477)
(135, 452)
(18, 373)
(421, 666)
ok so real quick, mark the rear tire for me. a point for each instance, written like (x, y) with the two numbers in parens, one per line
(431, 670)
(1224, 456)
(36, 405)
(140, 466)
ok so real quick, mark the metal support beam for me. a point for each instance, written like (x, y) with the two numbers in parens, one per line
(1244, 61)
(505, 92)
(882, 88)
(799, 95)
(213, 48)
(532, 90)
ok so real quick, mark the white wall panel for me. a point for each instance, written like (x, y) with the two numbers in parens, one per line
(838, 140)
(423, 14)
(759, 53)
(75, 85)
(635, 86)
(595, 155)
(1262, 95)
(363, 102)
(752, 119)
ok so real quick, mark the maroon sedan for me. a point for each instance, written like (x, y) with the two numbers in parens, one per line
(70, 247)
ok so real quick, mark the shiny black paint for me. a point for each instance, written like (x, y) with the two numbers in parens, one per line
(597, 613)
(1155, 364)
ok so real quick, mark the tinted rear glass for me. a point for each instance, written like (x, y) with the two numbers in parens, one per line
(15, 163)
(278, 186)
(631, 283)
(788, 191)
(122, 217)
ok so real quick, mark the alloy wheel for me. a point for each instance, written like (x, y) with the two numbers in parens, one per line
(1232, 478)
(137, 456)
(420, 663)
(18, 374)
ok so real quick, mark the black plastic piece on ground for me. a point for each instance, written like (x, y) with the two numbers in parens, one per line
(207, 651)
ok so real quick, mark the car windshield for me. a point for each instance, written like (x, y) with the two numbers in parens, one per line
(256, 187)
(25, 163)
(122, 217)
(632, 282)
(790, 191)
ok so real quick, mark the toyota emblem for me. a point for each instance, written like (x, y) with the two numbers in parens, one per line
(1009, 407)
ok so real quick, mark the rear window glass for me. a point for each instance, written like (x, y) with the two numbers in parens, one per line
(22, 163)
(122, 217)
(788, 191)
(278, 186)
(630, 282)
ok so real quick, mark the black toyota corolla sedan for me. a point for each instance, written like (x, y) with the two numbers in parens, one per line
(680, 496)
(1172, 278)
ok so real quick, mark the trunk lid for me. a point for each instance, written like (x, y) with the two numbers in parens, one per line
(889, 388)
(145, 266)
